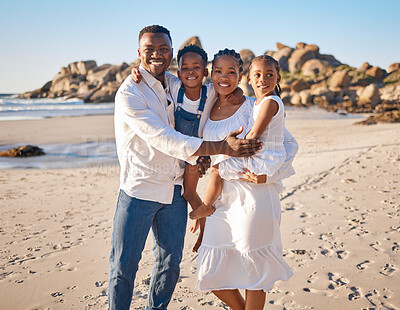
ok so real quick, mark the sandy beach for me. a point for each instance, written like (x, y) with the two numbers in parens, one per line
(340, 223)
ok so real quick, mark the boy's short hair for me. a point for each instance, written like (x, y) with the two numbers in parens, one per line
(195, 49)
(155, 29)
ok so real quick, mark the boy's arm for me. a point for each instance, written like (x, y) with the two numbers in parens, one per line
(236, 97)
(268, 109)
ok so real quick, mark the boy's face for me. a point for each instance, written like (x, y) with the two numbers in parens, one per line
(155, 53)
(192, 70)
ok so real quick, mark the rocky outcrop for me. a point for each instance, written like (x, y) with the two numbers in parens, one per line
(192, 40)
(308, 78)
(23, 151)
(84, 80)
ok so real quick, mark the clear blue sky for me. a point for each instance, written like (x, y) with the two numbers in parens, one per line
(39, 37)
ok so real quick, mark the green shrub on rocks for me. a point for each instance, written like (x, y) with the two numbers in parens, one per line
(393, 78)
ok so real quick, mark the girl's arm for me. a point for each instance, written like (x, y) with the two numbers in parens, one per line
(268, 109)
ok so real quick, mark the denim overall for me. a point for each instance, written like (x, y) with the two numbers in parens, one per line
(186, 122)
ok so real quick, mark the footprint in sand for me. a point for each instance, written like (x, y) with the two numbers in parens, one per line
(318, 292)
(326, 252)
(376, 246)
(312, 277)
(342, 254)
(336, 281)
(395, 247)
(388, 270)
(364, 264)
(374, 298)
(357, 294)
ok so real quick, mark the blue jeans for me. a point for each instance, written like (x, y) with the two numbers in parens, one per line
(132, 221)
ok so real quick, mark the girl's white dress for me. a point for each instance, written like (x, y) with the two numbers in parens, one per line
(271, 157)
(241, 246)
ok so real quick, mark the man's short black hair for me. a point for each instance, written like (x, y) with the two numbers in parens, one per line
(154, 29)
(195, 49)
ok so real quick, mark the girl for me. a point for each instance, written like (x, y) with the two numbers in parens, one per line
(241, 247)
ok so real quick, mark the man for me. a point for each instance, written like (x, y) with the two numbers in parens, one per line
(149, 150)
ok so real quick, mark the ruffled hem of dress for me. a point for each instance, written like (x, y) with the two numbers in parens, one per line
(263, 266)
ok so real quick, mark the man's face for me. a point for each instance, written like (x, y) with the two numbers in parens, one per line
(155, 53)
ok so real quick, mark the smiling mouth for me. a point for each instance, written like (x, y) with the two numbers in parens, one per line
(156, 63)
(223, 85)
(191, 78)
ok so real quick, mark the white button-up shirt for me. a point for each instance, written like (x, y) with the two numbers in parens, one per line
(148, 146)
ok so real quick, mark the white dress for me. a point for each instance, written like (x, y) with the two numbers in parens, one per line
(271, 157)
(241, 246)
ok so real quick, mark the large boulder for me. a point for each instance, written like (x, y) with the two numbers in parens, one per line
(298, 58)
(376, 73)
(282, 56)
(393, 67)
(390, 92)
(330, 58)
(312, 47)
(300, 45)
(314, 66)
(369, 95)
(192, 40)
(279, 46)
(101, 75)
(339, 79)
(23, 151)
(299, 85)
(84, 66)
(364, 67)
(247, 56)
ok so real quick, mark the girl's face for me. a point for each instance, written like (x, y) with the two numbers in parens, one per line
(225, 74)
(263, 77)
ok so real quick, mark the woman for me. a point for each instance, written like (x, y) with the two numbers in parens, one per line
(241, 246)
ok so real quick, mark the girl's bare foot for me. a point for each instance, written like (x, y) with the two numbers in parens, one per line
(202, 211)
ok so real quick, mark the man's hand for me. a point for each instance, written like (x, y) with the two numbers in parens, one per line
(236, 97)
(136, 75)
(203, 163)
(240, 147)
(250, 177)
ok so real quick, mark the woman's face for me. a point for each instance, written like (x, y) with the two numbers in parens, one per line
(225, 74)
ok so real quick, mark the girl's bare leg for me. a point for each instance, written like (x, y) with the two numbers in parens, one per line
(214, 189)
(232, 298)
(255, 300)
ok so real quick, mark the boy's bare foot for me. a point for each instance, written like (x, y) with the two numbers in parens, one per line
(202, 211)
(194, 226)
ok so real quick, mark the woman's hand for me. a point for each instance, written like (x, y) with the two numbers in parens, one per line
(136, 75)
(250, 177)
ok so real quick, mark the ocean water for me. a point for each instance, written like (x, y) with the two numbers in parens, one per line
(101, 154)
(13, 108)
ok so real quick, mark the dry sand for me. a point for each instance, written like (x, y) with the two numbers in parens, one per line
(340, 224)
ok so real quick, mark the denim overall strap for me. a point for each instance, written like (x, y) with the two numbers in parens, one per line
(203, 98)
(180, 94)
